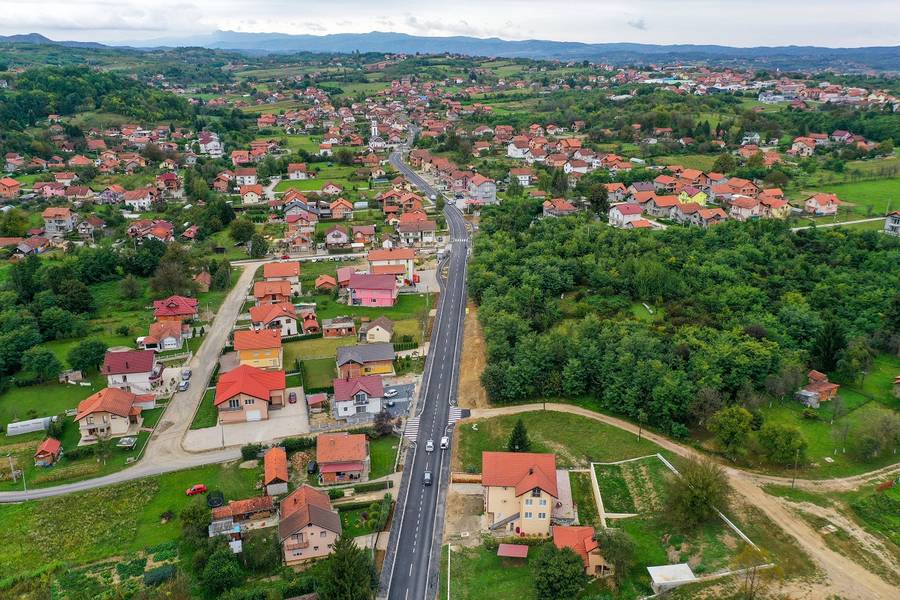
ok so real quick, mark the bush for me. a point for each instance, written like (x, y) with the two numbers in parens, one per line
(159, 575)
(250, 451)
(811, 414)
(373, 486)
(334, 494)
(297, 444)
(78, 453)
(132, 568)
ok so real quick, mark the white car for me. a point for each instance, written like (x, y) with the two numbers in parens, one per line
(429, 446)
(445, 443)
(390, 393)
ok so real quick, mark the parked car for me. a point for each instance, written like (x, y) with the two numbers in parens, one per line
(215, 499)
(184, 385)
(292, 398)
(427, 479)
(389, 403)
(196, 489)
(186, 374)
(429, 446)
(311, 467)
(445, 443)
(391, 393)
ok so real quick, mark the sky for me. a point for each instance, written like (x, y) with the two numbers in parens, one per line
(834, 23)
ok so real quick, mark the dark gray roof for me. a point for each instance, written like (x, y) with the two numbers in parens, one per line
(365, 353)
(385, 323)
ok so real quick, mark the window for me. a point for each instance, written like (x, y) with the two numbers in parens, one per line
(528, 515)
(234, 403)
(528, 501)
(543, 502)
(536, 492)
(323, 533)
(542, 515)
(248, 400)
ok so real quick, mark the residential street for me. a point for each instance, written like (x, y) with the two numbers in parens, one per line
(846, 578)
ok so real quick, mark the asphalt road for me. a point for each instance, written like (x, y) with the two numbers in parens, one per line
(411, 566)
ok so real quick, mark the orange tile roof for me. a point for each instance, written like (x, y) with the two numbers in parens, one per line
(111, 400)
(341, 447)
(250, 381)
(266, 313)
(393, 254)
(579, 539)
(275, 466)
(281, 269)
(522, 470)
(237, 508)
(302, 496)
(262, 289)
(257, 340)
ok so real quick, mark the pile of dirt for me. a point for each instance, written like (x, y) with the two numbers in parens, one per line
(299, 460)
(472, 362)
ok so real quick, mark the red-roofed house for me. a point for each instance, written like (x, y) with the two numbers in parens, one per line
(308, 527)
(394, 256)
(372, 290)
(358, 395)
(111, 412)
(519, 491)
(342, 457)
(283, 271)
(581, 541)
(275, 471)
(47, 453)
(822, 204)
(281, 316)
(259, 348)
(9, 188)
(134, 371)
(246, 393)
(818, 390)
(272, 292)
(621, 215)
(175, 308)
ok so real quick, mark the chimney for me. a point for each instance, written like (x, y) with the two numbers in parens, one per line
(531, 470)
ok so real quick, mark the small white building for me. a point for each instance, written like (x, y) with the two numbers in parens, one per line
(668, 577)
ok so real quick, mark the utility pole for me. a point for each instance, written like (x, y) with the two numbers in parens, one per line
(796, 461)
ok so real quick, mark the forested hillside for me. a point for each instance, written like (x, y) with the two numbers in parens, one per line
(742, 303)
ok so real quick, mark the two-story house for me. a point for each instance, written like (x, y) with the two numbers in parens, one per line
(621, 215)
(372, 290)
(281, 316)
(175, 308)
(111, 412)
(482, 190)
(272, 292)
(135, 371)
(357, 395)
(365, 359)
(342, 457)
(59, 220)
(520, 491)
(892, 223)
(307, 527)
(379, 260)
(247, 393)
(259, 348)
(288, 271)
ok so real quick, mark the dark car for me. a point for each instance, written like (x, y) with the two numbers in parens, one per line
(214, 499)
(311, 467)
(292, 397)
(427, 480)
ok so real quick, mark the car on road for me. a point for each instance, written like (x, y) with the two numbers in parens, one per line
(186, 374)
(391, 393)
(184, 385)
(429, 446)
(312, 467)
(427, 479)
(196, 489)
(445, 443)
(292, 397)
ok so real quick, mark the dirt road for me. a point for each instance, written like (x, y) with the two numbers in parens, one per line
(845, 578)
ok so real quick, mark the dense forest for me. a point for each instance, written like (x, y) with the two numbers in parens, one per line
(742, 303)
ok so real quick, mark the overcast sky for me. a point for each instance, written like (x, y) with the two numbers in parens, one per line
(728, 22)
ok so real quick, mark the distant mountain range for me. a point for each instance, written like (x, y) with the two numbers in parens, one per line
(882, 58)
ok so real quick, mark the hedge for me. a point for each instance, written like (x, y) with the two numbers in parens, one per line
(373, 486)
(298, 443)
(250, 451)
(334, 494)
(401, 346)
(492, 543)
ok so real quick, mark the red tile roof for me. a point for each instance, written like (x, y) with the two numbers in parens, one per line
(341, 448)
(237, 508)
(303, 495)
(392, 254)
(49, 446)
(175, 306)
(275, 466)
(257, 340)
(521, 470)
(512, 551)
(281, 269)
(111, 400)
(261, 289)
(360, 281)
(250, 381)
(130, 361)
(579, 539)
(345, 389)
(266, 313)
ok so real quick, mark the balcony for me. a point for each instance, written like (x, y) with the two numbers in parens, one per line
(296, 545)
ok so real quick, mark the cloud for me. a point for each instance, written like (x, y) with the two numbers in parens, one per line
(639, 24)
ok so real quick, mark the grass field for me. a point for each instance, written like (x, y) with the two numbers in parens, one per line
(207, 415)
(475, 570)
(632, 487)
(109, 521)
(882, 195)
(408, 306)
(575, 440)
(383, 453)
(318, 373)
(704, 162)
(316, 348)
(45, 400)
(583, 496)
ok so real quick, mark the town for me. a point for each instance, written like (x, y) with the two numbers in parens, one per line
(340, 326)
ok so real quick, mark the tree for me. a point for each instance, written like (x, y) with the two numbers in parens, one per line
(598, 198)
(856, 359)
(223, 571)
(879, 433)
(87, 355)
(195, 519)
(724, 163)
(828, 345)
(518, 438)
(259, 247)
(348, 574)
(75, 297)
(241, 230)
(757, 572)
(707, 401)
(558, 574)
(732, 426)
(785, 381)
(130, 288)
(383, 424)
(14, 223)
(14, 343)
(693, 498)
(262, 552)
(618, 550)
(103, 447)
(515, 189)
(781, 444)
(172, 278)
(42, 363)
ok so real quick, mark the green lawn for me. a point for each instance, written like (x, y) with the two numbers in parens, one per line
(640, 313)
(207, 415)
(575, 440)
(704, 162)
(310, 143)
(881, 194)
(20, 403)
(383, 453)
(583, 496)
(408, 306)
(318, 373)
(356, 522)
(110, 521)
(474, 571)
(315, 348)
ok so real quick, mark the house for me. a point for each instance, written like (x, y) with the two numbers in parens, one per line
(325, 282)
(58, 220)
(581, 540)
(662, 206)
(259, 348)
(275, 471)
(341, 209)
(288, 271)
(135, 371)
(47, 453)
(520, 491)
(140, 200)
(405, 257)
(342, 457)
(743, 208)
(417, 233)
(365, 359)
(803, 146)
(363, 234)
(372, 290)
(338, 327)
(332, 189)
(482, 189)
(281, 316)
(357, 395)
(249, 509)
(336, 236)
(380, 330)
(818, 390)
(892, 224)
(163, 335)
(111, 412)
(710, 216)
(822, 204)
(87, 227)
(246, 394)
(525, 176)
(272, 292)
(307, 527)
(245, 176)
(9, 188)
(558, 207)
(175, 308)
(297, 171)
(251, 194)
